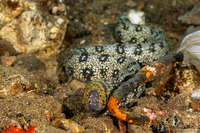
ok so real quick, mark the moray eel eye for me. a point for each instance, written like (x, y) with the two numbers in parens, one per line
(95, 96)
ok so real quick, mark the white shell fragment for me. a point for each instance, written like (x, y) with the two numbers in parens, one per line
(190, 47)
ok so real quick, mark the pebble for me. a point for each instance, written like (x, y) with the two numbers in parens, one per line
(82, 41)
(136, 17)
(195, 94)
(68, 125)
(191, 17)
(106, 23)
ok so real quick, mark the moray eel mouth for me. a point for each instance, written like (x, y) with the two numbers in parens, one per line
(95, 97)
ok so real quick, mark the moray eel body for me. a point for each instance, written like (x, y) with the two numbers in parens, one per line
(104, 67)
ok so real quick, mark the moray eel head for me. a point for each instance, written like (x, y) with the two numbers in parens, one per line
(95, 96)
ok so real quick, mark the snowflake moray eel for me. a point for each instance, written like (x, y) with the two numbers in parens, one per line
(105, 67)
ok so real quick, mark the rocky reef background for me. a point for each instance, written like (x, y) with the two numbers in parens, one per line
(35, 39)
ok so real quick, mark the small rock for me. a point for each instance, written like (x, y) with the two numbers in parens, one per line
(138, 129)
(101, 124)
(195, 94)
(6, 48)
(136, 17)
(68, 124)
(106, 23)
(8, 60)
(30, 28)
(30, 62)
(191, 17)
(192, 28)
(82, 41)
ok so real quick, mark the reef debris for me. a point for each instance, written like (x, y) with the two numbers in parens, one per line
(30, 26)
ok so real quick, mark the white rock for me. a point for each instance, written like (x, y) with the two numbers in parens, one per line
(195, 94)
(82, 41)
(136, 17)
